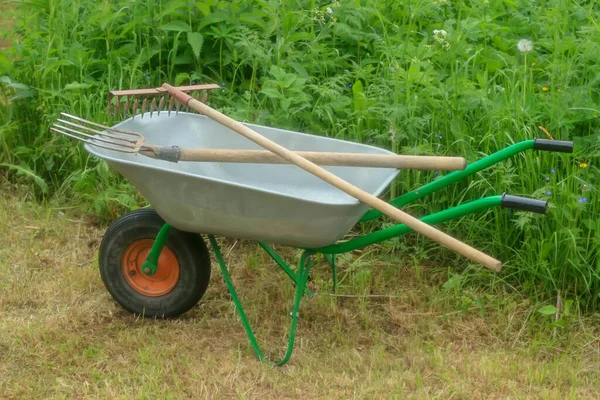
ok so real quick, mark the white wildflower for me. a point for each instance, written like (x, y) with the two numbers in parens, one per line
(525, 46)
(440, 36)
(329, 11)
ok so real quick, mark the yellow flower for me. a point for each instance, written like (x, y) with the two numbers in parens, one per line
(583, 165)
(545, 89)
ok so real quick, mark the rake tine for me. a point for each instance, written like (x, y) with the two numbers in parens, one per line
(136, 105)
(161, 104)
(126, 108)
(171, 102)
(152, 106)
(177, 106)
(108, 106)
(116, 108)
(153, 99)
(144, 106)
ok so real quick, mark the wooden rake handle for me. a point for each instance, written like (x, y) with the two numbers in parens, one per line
(367, 198)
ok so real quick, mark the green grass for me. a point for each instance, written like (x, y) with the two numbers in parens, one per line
(62, 336)
(369, 71)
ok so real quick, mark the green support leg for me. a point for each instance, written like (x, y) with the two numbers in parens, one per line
(331, 260)
(279, 261)
(301, 278)
(282, 264)
(151, 264)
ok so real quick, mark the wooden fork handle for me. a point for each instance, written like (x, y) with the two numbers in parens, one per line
(326, 158)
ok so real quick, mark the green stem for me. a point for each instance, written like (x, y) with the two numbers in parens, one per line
(525, 83)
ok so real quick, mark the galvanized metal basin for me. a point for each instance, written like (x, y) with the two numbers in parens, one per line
(280, 204)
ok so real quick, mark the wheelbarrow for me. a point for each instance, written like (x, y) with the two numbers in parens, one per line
(155, 262)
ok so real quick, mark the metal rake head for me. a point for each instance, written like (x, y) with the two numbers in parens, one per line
(139, 101)
(107, 138)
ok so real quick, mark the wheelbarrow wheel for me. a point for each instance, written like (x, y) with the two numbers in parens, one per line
(182, 273)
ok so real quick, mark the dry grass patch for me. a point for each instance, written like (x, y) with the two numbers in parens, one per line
(61, 336)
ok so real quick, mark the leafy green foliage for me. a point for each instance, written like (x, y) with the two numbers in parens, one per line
(437, 78)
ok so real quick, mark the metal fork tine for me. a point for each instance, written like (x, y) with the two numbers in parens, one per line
(52, 128)
(129, 144)
(119, 139)
(124, 148)
(106, 128)
(115, 137)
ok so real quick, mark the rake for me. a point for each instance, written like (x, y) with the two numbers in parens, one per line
(139, 101)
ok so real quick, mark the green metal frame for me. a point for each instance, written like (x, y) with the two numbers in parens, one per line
(151, 263)
(300, 277)
(454, 177)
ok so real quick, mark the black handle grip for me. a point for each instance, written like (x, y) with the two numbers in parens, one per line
(562, 146)
(523, 203)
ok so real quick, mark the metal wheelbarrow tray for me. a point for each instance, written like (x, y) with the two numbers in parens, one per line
(280, 204)
(155, 262)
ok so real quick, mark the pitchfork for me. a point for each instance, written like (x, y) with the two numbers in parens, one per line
(133, 142)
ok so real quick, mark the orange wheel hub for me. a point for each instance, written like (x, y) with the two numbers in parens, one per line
(167, 271)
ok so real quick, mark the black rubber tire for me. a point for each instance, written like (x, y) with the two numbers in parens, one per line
(189, 249)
